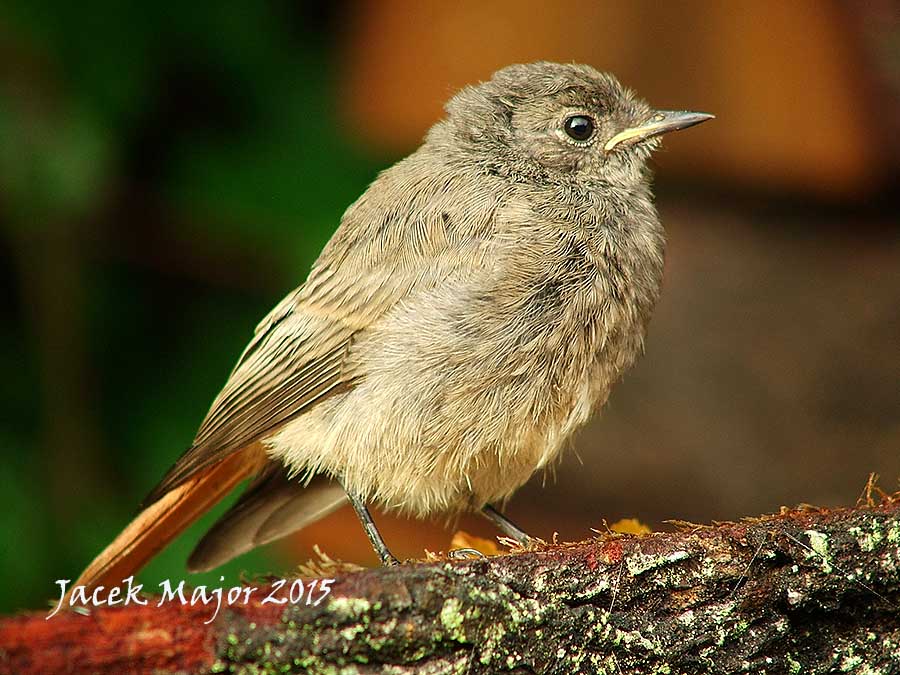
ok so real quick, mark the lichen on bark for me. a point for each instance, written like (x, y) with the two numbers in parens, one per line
(804, 591)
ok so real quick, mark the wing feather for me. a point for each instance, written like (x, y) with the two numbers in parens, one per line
(275, 382)
(384, 250)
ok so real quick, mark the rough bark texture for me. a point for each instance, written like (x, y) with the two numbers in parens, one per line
(807, 591)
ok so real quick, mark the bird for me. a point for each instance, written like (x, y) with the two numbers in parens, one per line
(473, 308)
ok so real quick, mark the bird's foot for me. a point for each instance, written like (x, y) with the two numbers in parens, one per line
(465, 554)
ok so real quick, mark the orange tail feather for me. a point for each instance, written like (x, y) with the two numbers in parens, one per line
(166, 518)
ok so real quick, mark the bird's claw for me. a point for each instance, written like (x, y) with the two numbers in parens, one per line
(465, 554)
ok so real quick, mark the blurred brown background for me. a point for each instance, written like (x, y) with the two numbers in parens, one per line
(165, 177)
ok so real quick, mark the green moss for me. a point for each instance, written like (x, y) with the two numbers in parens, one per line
(818, 542)
(893, 534)
(850, 663)
(452, 619)
(349, 608)
(350, 632)
(869, 539)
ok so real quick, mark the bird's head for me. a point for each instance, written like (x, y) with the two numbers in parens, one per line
(560, 119)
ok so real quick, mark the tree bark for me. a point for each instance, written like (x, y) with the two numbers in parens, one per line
(804, 591)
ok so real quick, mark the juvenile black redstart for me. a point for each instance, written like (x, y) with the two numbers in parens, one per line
(475, 305)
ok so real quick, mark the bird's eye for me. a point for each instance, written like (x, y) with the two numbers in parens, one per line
(579, 127)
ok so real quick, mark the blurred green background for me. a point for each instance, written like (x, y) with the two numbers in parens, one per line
(168, 173)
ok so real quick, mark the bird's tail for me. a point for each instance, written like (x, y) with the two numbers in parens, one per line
(167, 517)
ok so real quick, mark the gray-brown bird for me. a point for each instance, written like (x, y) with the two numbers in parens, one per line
(475, 305)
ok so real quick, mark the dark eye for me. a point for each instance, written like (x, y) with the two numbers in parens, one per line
(579, 127)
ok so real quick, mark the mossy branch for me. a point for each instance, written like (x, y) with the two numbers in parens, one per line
(805, 591)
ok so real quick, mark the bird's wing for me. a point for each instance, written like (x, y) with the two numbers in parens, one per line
(297, 356)
(293, 361)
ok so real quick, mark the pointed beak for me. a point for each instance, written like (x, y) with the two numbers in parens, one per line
(662, 122)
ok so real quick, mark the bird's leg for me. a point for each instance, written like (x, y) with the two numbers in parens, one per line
(371, 531)
(506, 526)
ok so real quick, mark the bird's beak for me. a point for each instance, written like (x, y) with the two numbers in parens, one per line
(662, 122)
